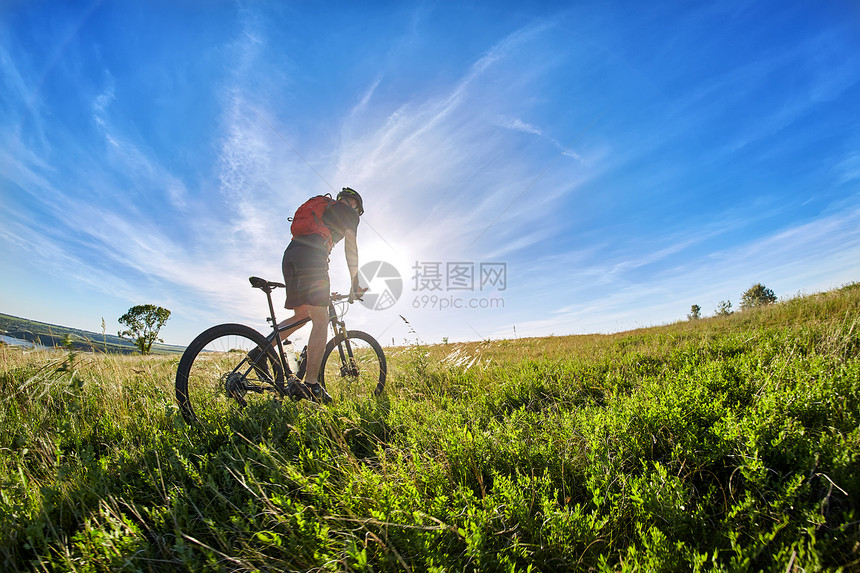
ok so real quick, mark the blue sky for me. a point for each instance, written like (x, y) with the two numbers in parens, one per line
(622, 160)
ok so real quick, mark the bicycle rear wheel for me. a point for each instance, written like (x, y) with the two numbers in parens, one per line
(353, 366)
(227, 366)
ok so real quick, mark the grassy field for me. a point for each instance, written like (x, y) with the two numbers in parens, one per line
(725, 444)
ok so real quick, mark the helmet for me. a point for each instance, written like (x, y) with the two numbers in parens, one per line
(352, 194)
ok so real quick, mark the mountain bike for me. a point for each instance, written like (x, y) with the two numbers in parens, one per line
(233, 365)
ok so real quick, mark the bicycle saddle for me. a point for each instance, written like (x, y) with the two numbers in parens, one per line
(257, 282)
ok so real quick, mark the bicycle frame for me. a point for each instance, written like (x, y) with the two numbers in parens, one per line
(338, 326)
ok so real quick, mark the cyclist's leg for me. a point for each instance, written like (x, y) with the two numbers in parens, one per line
(312, 389)
(308, 289)
(299, 313)
(316, 342)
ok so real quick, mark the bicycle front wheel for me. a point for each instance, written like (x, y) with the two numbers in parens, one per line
(227, 366)
(353, 366)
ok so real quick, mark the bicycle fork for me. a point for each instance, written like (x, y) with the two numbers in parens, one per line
(347, 360)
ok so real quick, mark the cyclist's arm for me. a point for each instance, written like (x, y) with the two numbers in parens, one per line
(350, 248)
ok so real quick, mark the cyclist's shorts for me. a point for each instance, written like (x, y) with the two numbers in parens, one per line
(306, 276)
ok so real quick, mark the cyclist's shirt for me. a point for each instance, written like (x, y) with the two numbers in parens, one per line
(305, 262)
(339, 218)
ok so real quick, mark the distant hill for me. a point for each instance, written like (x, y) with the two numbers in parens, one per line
(55, 335)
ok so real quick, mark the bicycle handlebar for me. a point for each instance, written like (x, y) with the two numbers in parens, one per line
(335, 297)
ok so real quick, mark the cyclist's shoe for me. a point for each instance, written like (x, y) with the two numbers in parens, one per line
(318, 393)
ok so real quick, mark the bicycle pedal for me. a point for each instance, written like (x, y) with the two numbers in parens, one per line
(295, 389)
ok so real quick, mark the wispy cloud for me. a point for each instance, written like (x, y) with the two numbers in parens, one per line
(103, 101)
(519, 125)
(848, 169)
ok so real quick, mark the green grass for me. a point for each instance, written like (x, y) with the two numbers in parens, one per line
(725, 444)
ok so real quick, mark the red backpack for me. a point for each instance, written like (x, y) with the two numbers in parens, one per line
(308, 219)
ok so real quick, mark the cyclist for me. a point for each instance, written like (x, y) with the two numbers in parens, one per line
(317, 226)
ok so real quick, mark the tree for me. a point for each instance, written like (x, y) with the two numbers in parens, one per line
(695, 312)
(143, 322)
(757, 295)
(724, 308)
